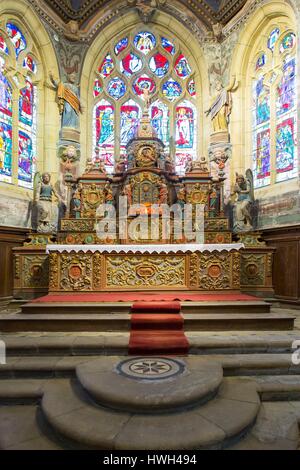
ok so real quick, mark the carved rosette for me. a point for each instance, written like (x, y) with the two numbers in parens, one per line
(54, 271)
(76, 272)
(36, 271)
(215, 271)
(91, 197)
(253, 269)
(194, 270)
(145, 271)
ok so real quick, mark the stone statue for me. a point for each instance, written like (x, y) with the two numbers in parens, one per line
(68, 101)
(43, 196)
(76, 204)
(147, 99)
(244, 198)
(127, 192)
(181, 196)
(163, 194)
(221, 106)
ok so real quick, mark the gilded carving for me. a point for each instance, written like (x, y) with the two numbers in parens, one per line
(145, 271)
(215, 272)
(97, 270)
(253, 269)
(35, 271)
(76, 272)
(91, 197)
(236, 270)
(194, 270)
(217, 237)
(17, 266)
(216, 224)
(79, 225)
(199, 194)
(54, 271)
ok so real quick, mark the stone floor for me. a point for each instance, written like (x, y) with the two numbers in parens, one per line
(236, 390)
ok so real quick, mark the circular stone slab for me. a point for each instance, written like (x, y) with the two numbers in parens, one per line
(147, 384)
(154, 368)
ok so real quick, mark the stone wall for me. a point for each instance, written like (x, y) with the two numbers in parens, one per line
(14, 212)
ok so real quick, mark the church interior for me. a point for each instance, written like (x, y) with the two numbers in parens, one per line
(149, 225)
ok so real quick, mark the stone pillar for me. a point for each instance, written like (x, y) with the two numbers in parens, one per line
(220, 152)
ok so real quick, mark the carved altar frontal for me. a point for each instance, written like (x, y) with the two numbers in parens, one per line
(95, 270)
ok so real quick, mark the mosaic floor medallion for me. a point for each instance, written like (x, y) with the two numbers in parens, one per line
(150, 368)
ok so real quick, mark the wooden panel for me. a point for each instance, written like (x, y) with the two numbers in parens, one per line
(286, 272)
(9, 238)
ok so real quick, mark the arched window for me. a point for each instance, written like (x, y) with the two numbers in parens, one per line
(274, 121)
(144, 60)
(18, 108)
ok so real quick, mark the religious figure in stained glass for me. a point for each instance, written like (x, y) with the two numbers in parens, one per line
(105, 124)
(286, 90)
(69, 101)
(159, 65)
(130, 118)
(285, 146)
(131, 64)
(116, 88)
(182, 67)
(107, 67)
(263, 158)
(160, 120)
(26, 104)
(5, 149)
(25, 157)
(184, 127)
(172, 90)
(262, 102)
(16, 37)
(145, 42)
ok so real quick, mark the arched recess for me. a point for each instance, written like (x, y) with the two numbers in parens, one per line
(264, 19)
(164, 25)
(39, 44)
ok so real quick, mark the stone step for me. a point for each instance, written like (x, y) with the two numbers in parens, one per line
(212, 425)
(233, 365)
(121, 322)
(197, 381)
(276, 428)
(108, 343)
(21, 428)
(92, 308)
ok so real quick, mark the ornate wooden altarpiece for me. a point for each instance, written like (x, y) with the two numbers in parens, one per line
(146, 176)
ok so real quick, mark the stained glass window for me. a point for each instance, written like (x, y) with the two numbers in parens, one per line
(168, 46)
(145, 42)
(159, 65)
(104, 135)
(130, 65)
(185, 135)
(130, 118)
(191, 87)
(5, 126)
(160, 118)
(16, 37)
(288, 42)
(133, 64)
(182, 67)
(98, 87)
(261, 61)
(30, 64)
(121, 46)
(172, 90)
(274, 35)
(107, 67)
(3, 46)
(144, 82)
(27, 134)
(116, 88)
(274, 135)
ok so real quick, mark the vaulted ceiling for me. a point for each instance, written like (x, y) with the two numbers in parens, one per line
(208, 12)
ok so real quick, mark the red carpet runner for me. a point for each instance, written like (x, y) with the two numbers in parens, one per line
(157, 328)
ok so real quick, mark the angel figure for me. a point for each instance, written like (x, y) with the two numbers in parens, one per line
(43, 196)
(244, 198)
(221, 105)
